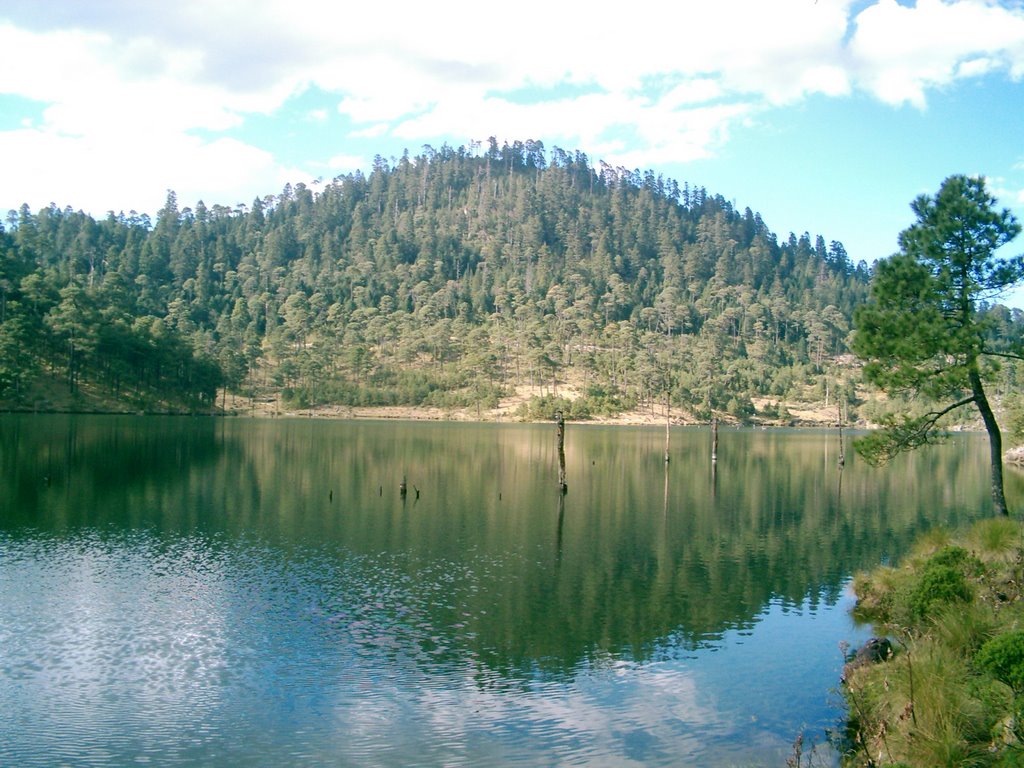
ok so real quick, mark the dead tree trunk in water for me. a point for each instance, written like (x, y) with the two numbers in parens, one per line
(560, 424)
(714, 438)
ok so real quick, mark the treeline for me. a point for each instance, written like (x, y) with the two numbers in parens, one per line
(441, 279)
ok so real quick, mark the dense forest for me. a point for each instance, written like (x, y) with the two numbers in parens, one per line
(444, 279)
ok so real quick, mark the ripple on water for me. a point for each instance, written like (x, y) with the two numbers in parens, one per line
(191, 650)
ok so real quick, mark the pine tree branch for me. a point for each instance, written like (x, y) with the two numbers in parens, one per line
(1007, 355)
(904, 433)
(948, 409)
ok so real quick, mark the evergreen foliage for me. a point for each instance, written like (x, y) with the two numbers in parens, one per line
(444, 278)
(927, 331)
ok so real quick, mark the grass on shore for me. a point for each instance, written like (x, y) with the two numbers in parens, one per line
(951, 693)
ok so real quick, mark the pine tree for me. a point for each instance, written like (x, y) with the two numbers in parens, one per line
(923, 333)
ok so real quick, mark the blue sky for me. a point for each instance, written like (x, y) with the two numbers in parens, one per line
(825, 116)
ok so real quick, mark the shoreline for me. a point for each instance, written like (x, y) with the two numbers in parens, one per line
(48, 396)
(801, 414)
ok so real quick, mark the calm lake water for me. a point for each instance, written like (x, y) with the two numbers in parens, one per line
(180, 591)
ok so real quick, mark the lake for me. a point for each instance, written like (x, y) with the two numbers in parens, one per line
(190, 591)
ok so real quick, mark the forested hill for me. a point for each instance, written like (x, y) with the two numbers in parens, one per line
(445, 279)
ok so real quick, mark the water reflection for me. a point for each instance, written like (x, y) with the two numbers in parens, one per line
(236, 590)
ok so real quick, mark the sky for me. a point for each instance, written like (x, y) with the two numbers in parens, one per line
(825, 116)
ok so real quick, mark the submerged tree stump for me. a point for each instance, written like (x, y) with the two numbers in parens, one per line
(560, 427)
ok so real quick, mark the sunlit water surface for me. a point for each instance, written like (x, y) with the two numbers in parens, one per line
(198, 592)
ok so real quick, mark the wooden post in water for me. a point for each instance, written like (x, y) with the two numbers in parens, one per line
(560, 424)
(714, 439)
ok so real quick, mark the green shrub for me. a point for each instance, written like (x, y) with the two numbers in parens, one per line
(958, 558)
(295, 398)
(740, 407)
(606, 401)
(938, 586)
(953, 557)
(544, 408)
(1003, 658)
(943, 581)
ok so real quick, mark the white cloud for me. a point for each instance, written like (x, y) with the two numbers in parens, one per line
(144, 83)
(120, 126)
(975, 67)
(123, 173)
(1006, 192)
(696, 91)
(900, 52)
(372, 131)
(659, 700)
